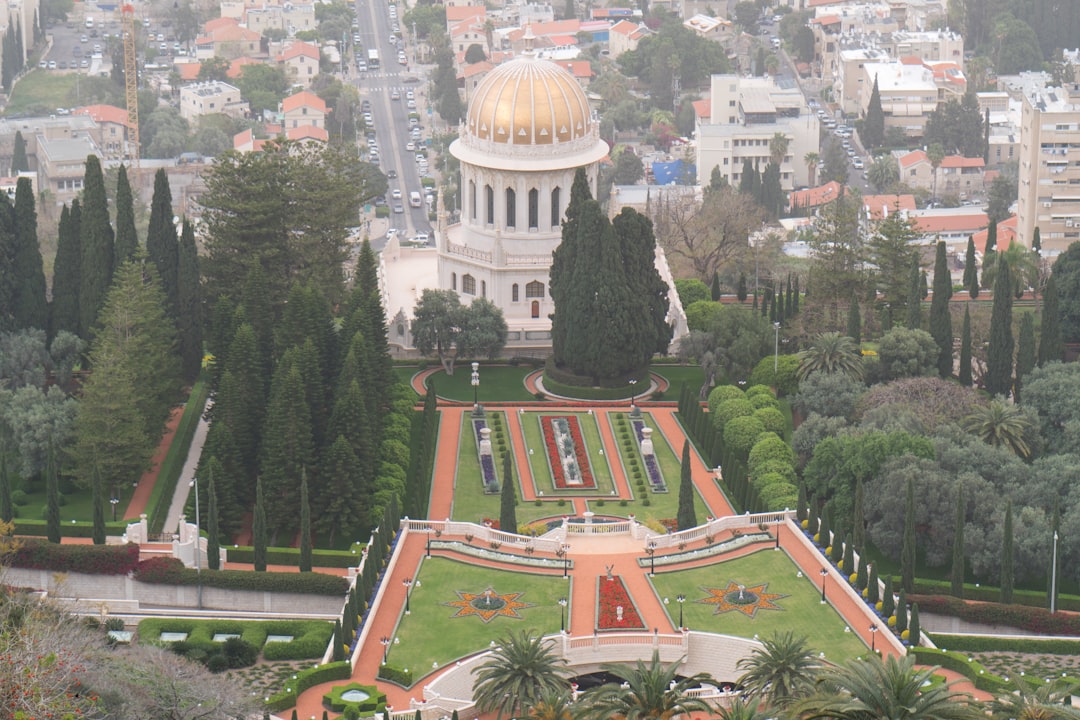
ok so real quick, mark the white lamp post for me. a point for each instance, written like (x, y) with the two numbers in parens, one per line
(198, 564)
(475, 382)
(776, 349)
(1053, 577)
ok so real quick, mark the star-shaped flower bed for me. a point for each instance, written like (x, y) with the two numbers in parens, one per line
(747, 599)
(488, 605)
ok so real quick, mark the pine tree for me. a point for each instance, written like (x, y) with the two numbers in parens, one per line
(67, 271)
(30, 305)
(914, 298)
(258, 529)
(924, 286)
(52, 496)
(508, 499)
(801, 511)
(127, 240)
(686, 517)
(859, 520)
(839, 548)
(971, 270)
(255, 297)
(854, 320)
(7, 507)
(940, 319)
(341, 500)
(287, 448)
(956, 575)
(873, 129)
(991, 241)
(213, 531)
(189, 306)
(1006, 597)
(96, 244)
(97, 500)
(965, 350)
(907, 552)
(9, 280)
(161, 242)
(740, 288)
(714, 288)
(888, 601)
(240, 398)
(1025, 353)
(999, 362)
(1051, 348)
(19, 161)
(563, 263)
(305, 525)
(914, 630)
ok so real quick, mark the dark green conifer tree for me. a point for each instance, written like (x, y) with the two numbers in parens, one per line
(940, 319)
(888, 601)
(161, 243)
(97, 501)
(854, 320)
(31, 307)
(714, 287)
(1050, 346)
(971, 270)
(287, 448)
(862, 576)
(914, 631)
(873, 589)
(96, 245)
(508, 497)
(873, 127)
(999, 361)
(9, 280)
(801, 510)
(964, 374)
(907, 551)
(1025, 353)
(213, 529)
(859, 518)
(1006, 597)
(127, 240)
(849, 554)
(52, 496)
(7, 507)
(824, 532)
(239, 398)
(740, 289)
(1036, 240)
(914, 298)
(339, 642)
(255, 297)
(258, 529)
(901, 611)
(189, 306)
(839, 548)
(341, 500)
(956, 574)
(19, 161)
(795, 296)
(991, 242)
(563, 262)
(305, 524)
(685, 516)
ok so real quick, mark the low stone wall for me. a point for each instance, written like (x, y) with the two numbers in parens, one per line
(96, 591)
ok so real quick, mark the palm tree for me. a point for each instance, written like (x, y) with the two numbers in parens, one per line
(781, 670)
(552, 705)
(935, 153)
(1002, 424)
(778, 147)
(648, 692)
(521, 669)
(1036, 701)
(741, 710)
(831, 352)
(812, 160)
(1023, 267)
(890, 689)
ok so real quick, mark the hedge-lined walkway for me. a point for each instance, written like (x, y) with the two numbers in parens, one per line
(141, 497)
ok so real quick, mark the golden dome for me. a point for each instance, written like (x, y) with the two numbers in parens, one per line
(528, 101)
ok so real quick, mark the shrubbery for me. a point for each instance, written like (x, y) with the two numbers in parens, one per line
(170, 571)
(307, 679)
(396, 675)
(92, 559)
(291, 556)
(1038, 620)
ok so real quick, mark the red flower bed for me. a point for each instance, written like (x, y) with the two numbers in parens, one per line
(613, 594)
(559, 476)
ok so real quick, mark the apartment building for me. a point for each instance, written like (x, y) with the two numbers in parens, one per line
(208, 98)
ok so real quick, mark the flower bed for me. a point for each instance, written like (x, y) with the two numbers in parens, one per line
(565, 447)
(613, 595)
(487, 462)
(652, 468)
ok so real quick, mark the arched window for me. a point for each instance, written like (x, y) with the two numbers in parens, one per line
(534, 209)
(453, 281)
(468, 284)
(556, 211)
(535, 289)
(401, 330)
(511, 208)
(483, 288)
(536, 308)
(514, 293)
(472, 199)
(489, 200)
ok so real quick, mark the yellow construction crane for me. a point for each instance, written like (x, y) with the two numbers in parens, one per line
(131, 85)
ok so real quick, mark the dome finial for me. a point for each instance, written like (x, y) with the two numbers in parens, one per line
(528, 37)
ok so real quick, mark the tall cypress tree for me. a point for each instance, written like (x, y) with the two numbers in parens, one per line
(940, 319)
(914, 298)
(52, 496)
(863, 574)
(888, 600)
(1036, 240)
(914, 630)
(714, 287)
(96, 245)
(999, 361)
(64, 310)
(161, 242)
(1007, 556)
(7, 507)
(1025, 352)
(801, 510)
(854, 320)
(956, 575)
(127, 240)
(31, 307)
(97, 499)
(19, 161)
(305, 525)
(971, 271)
(213, 530)
(563, 262)
(991, 241)
(873, 589)
(189, 317)
(1050, 346)
(858, 522)
(965, 350)
(740, 288)
(685, 516)
(258, 529)
(907, 552)
(873, 129)
(848, 556)
(508, 497)
(287, 448)
(9, 280)
(901, 611)
(824, 531)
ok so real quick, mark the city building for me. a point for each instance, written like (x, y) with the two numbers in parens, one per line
(207, 98)
(301, 63)
(303, 109)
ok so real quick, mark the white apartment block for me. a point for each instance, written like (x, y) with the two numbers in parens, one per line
(746, 112)
(207, 98)
(1050, 168)
(849, 75)
(933, 45)
(910, 91)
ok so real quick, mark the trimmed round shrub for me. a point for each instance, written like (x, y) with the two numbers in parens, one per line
(764, 401)
(741, 433)
(217, 663)
(720, 393)
(779, 467)
(778, 497)
(773, 420)
(757, 390)
(729, 410)
(239, 653)
(18, 498)
(769, 448)
(764, 480)
(785, 379)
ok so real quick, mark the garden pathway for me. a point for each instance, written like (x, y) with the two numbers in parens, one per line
(441, 503)
(704, 477)
(145, 488)
(187, 474)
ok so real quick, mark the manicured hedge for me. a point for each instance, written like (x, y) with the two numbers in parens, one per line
(554, 377)
(992, 643)
(170, 571)
(291, 556)
(958, 662)
(157, 507)
(310, 637)
(989, 593)
(81, 529)
(1037, 620)
(396, 675)
(94, 559)
(307, 679)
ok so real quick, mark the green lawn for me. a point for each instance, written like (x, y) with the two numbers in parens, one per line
(538, 460)
(78, 505)
(470, 502)
(431, 633)
(802, 611)
(676, 375)
(504, 383)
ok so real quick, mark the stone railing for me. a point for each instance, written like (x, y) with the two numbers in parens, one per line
(482, 533)
(717, 525)
(464, 251)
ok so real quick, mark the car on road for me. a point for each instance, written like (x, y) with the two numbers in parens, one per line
(410, 146)
(857, 163)
(83, 63)
(365, 106)
(83, 38)
(52, 64)
(415, 133)
(411, 104)
(410, 95)
(399, 208)
(391, 174)
(395, 194)
(421, 238)
(395, 95)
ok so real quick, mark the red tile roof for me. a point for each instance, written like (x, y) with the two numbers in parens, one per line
(457, 13)
(236, 67)
(302, 98)
(970, 222)
(913, 157)
(307, 132)
(880, 206)
(1006, 234)
(813, 197)
(959, 161)
(189, 72)
(581, 69)
(298, 49)
(105, 114)
(703, 108)
(475, 69)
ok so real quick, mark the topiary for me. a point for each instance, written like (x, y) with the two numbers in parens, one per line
(721, 393)
(18, 497)
(217, 663)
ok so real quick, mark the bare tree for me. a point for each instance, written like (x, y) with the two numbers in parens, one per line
(707, 235)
